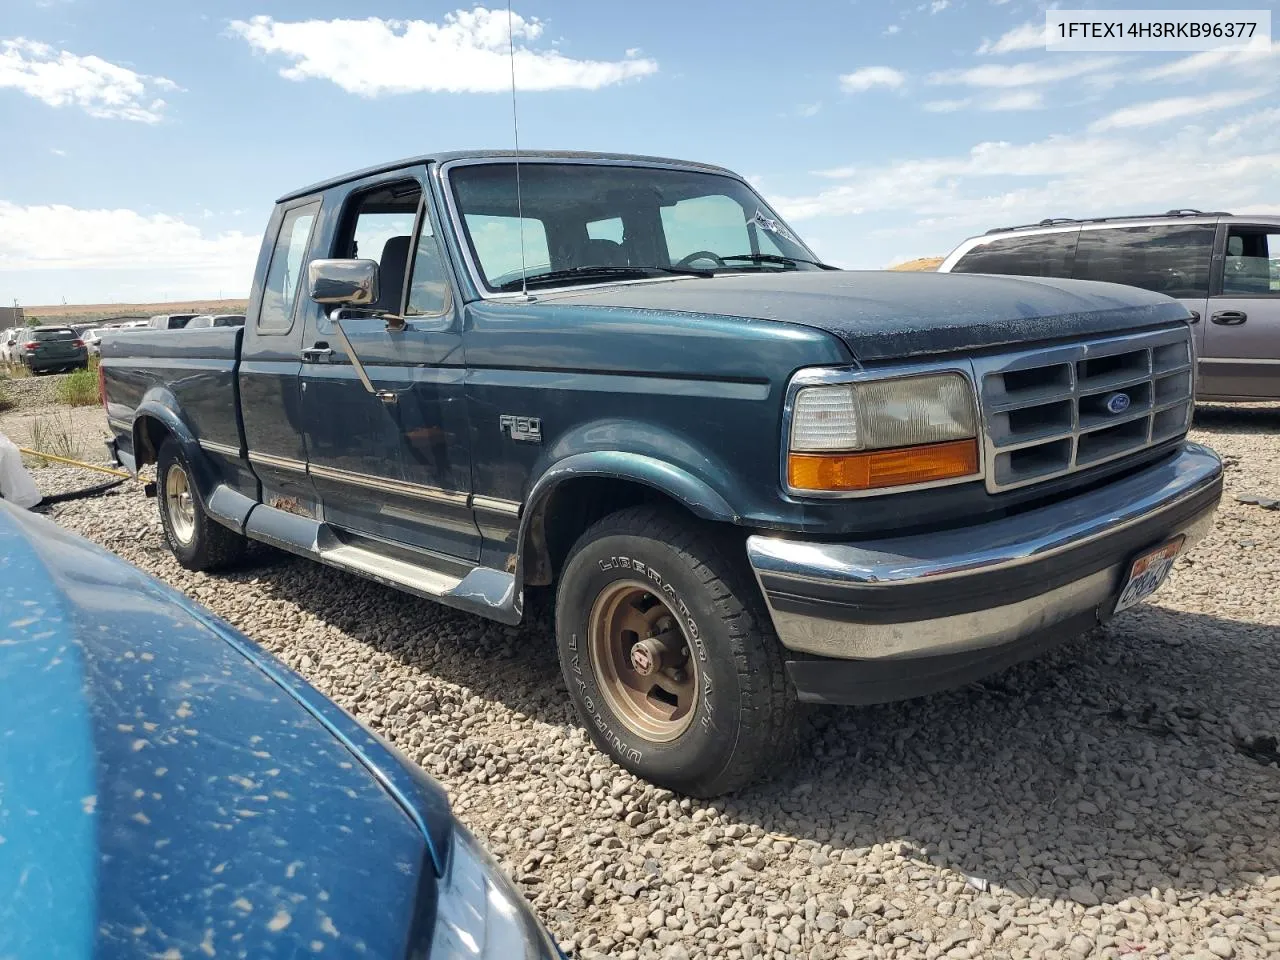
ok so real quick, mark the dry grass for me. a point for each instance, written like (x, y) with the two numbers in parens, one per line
(88, 312)
(922, 264)
(55, 434)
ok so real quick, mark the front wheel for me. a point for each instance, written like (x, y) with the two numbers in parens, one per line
(198, 541)
(668, 655)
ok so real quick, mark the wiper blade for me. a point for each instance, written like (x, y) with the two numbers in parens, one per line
(778, 259)
(596, 272)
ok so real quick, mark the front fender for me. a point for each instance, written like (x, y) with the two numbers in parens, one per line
(667, 478)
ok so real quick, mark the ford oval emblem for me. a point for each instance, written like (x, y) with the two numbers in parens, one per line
(1117, 402)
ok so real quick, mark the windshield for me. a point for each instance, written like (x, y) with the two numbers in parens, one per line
(588, 222)
(53, 335)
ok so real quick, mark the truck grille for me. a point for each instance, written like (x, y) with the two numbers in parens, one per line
(1055, 410)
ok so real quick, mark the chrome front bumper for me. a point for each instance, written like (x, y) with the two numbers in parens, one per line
(985, 586)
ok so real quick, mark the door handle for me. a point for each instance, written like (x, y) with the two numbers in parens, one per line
(1229, 318)
(321, 351)
(1195, 316)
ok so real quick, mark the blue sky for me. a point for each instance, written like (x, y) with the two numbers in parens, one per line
(147, 140)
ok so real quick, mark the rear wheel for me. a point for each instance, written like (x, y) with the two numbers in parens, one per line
(668, 655)
(198, 541)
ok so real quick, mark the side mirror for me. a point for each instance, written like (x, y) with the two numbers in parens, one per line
(345, 283)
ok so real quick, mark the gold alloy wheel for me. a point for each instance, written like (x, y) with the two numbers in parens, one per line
(178, 503)
(642, 661)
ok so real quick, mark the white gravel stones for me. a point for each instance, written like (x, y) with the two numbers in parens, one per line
(1108, 800)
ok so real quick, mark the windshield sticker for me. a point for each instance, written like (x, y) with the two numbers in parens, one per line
(773, 226)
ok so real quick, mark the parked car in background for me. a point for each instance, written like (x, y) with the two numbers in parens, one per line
(206, 320)
(170, 321)
(750, 478)
(51, 350)
(93, 340)
(1224, 268)
(170, 789)
(9, 344)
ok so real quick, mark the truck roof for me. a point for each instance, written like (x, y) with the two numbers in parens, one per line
(497, 155)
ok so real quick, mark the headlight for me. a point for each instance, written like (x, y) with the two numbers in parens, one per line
(479, 913)
(882, 433)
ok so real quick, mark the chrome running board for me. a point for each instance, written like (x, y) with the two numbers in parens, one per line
(481, 590)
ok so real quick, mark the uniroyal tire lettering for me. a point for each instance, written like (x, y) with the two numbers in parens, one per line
(628, 751)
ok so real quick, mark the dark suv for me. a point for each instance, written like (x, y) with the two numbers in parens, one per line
(1223, 267)
(52, 349)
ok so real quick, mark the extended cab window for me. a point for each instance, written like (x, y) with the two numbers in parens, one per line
(284, 275)
(1030, 255)
(1173, 260)
(1252, 265)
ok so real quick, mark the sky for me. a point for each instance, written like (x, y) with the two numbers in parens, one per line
(145, 141)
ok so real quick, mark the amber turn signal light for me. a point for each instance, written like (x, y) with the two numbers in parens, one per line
(874, 469)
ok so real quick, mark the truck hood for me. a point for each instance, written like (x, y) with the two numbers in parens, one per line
(883, 315)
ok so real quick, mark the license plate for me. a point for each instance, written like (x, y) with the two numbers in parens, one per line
(1147, 572)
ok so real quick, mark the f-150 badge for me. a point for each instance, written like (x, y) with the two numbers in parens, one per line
(526, 429)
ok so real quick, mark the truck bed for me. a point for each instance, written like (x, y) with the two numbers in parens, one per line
(196, 368)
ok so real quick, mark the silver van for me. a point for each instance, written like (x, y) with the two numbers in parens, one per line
(1225, 268)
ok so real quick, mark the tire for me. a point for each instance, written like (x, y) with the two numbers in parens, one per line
(199, 542)
(741, 712)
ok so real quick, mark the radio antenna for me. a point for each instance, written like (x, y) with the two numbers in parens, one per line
(515, 129)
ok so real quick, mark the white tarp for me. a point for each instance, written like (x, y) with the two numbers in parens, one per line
(16, 484)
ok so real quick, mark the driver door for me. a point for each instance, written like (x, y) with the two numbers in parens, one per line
(394, 465)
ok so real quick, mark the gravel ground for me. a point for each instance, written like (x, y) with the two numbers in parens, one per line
(1118, 798)
(77, 431)
(33, 392)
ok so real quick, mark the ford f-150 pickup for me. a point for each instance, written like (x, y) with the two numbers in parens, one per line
(750, 479)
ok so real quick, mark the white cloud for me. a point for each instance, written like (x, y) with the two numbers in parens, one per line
(937, 6)
(890, 30)
(869, 77)
(1028, 36)
(1172, 108)
(100, 88)
(1016, 100)
(1006, 76)
(935, 202)
(1211, 61)
(466, 53)
(809, 109)
(57, 152)
(946, 106)
(51, 250)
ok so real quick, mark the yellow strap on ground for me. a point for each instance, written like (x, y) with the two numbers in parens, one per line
(75, 463)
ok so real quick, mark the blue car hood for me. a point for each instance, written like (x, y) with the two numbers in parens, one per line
(164, 794)
(885, 315)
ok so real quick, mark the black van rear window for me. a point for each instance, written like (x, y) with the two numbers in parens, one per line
(1029, 255)
(1172, 259)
